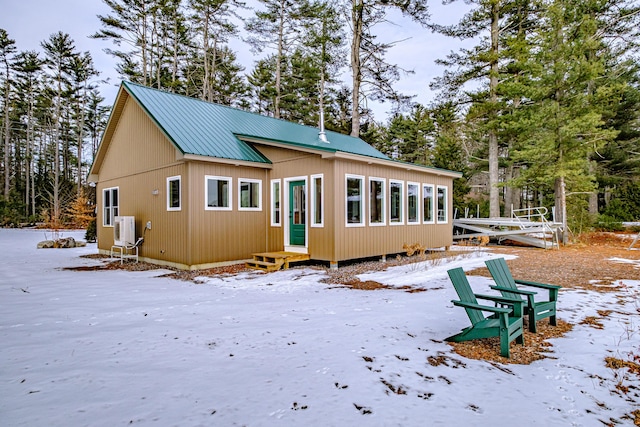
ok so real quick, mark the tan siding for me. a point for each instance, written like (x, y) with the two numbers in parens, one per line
(358, 242)
(138, 161)
(167, 239)
(226, 235)
(137, 146)
(292, 163)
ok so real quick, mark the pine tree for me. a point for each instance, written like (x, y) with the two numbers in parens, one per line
(211, 21)
(371, 75)
(81, 73)
(262, 83)
(28, 71)
(7, 48)
(323, 44)
(59, 51)
(566, 109)
(276, 28)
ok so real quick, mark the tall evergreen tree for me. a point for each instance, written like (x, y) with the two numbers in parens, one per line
(480, 65)
(323, 43)
(28, 72)
(81, 72)
(212, 23)
(7, 48)
(567, 106)
(276, 28)
(371, 75)
(59, 50)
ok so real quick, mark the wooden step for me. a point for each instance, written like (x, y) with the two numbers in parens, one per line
(264, 265)
(272, 261)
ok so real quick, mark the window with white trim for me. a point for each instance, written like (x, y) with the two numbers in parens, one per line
(442, 204)
(377, 201)
(217, 193)
(110, 206)
(317, 200)
(354, 202)
(413, 203)
(427, 204)
(395, 202)
(174, 196)
(249, 194)
(276, 203)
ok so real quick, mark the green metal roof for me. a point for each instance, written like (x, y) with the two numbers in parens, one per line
(202, 128)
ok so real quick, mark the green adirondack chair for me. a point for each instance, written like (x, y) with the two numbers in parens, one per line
(507, 285)
(505, 323)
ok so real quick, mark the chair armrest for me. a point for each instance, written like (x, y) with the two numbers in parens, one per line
(500, 299)
(536, 284)
(515, 291)
(516, 303)
(481, 307)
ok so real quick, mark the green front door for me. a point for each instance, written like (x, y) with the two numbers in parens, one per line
(297, 213)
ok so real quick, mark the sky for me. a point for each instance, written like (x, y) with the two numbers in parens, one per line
(29, 22)
(114, 347)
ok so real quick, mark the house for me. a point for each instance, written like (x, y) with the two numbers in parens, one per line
(209, 185)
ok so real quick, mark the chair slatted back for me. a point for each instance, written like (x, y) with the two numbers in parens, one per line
(465, 293)
(502, 276)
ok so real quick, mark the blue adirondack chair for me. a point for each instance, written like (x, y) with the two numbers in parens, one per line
(507, 285)
(505, 323)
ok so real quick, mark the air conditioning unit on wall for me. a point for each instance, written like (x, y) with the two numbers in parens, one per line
(124, 230)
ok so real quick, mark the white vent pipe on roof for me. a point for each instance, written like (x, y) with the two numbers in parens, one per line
(322, 135)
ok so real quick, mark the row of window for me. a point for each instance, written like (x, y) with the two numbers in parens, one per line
(424, 203)
(218, 193)
(416, 203)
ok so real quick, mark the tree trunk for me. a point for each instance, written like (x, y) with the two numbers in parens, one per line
(494, 193)
(80, 140)
(279, 58)
(7, 137)
(205, 42)
(357, 11)
(561, 208)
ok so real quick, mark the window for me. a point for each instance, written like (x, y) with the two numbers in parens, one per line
(395, 202)
(317, 201)
(110, 206)
(442, 204)
(376, 201)
(427, 204)
(217, 193)
(355, 206)
(413, 205)
(250, 194)
(276, 220)
(173, 193)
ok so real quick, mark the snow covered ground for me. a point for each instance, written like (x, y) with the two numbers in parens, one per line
(114, 348)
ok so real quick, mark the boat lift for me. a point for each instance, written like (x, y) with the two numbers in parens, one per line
(528, 226)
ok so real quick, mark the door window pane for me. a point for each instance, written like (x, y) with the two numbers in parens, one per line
(298, 205)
